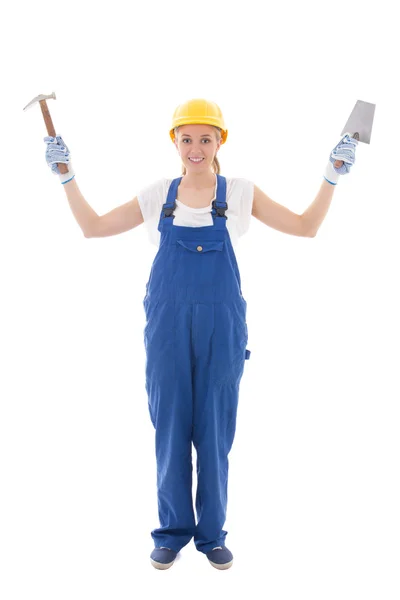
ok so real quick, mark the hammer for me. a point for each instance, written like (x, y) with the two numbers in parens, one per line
(47, 119)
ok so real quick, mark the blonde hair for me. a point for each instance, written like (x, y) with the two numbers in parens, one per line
(215, 166)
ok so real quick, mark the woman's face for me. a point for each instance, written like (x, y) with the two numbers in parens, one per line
(197, 141)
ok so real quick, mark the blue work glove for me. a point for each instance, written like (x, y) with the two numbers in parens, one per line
(57, 151)
(345, 151)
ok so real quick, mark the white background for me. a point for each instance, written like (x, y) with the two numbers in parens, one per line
(314, 469)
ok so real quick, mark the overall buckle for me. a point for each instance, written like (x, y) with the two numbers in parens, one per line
(167, 212)
(220, 210)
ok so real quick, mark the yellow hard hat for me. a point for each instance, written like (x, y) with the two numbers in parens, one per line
(201, 111)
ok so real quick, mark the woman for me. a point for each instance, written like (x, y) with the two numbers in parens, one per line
(196, 332)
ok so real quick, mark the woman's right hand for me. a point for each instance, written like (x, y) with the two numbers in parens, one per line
(57, 151)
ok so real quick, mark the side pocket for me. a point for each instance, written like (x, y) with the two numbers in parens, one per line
(150, 309)
(245, 330)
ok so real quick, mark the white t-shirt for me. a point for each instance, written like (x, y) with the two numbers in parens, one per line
(239, 197)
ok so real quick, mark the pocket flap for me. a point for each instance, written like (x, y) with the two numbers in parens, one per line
(200, 246)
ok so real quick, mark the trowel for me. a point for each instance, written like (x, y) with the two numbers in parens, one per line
(359, 124)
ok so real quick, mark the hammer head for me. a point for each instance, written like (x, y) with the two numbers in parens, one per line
(39, 98)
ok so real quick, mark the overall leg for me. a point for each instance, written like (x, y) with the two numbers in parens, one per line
(220, 345)
(169, 389)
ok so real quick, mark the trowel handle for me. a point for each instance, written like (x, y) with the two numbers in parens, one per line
(338, 163)
(51, 131)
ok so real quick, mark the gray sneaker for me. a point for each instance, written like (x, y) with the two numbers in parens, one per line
(220, 557)
(163, 558)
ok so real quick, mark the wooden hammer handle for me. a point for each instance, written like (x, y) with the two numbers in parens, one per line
(51, 131)
(338, 163)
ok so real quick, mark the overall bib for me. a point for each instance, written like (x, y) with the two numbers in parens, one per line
(195, 339)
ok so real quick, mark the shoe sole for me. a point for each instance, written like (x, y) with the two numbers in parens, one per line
(161, 566)
(221, 567)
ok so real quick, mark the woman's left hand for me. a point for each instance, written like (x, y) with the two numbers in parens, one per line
(343, 155)
(341, 159)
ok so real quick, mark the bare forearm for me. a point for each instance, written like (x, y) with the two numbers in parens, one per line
(316, 212)
(82, 211)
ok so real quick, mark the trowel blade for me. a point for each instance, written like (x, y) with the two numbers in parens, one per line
(361, 120)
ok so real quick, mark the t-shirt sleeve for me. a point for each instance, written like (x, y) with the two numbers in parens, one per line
(245, 205)
(151, 198)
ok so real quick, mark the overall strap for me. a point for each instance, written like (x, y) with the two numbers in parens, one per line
(219, 205)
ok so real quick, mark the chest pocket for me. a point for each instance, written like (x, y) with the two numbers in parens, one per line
(199, 246)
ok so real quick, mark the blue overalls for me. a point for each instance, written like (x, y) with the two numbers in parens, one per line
(195, 339)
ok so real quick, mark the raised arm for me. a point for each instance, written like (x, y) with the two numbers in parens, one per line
(281, 218)
(277, 216)
(120, 219)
